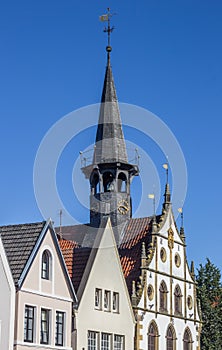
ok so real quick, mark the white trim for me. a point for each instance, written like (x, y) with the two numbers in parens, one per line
(33, 253)
(45, 346)
(12, 293)
(51, 296)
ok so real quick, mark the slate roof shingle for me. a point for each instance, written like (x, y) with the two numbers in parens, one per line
(19, 242)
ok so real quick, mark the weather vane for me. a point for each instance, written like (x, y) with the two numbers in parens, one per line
(108, 29)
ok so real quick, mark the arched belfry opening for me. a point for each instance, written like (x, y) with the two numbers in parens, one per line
(108, 181)
(122, 182)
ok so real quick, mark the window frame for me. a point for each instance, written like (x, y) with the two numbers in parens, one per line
(116, 342)
(98, 293)
(58, 332)
(105, 341)
(45, 265)
(107, 300)
(163, 297)
(152, 336)
(177, 300)
(115, 303)
(170, 338)
(45, 322)
(27, 320)
(94, 339)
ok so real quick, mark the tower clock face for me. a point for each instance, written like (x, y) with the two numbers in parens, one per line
(123, 207)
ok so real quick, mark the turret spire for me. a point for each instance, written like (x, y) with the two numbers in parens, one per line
(110, 143)
(167, 196)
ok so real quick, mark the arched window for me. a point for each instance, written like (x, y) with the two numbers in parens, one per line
(170, 338)
(108, 182)
(187, 340)
(177, 301)
(163, 297)
(95, 184)
(153, 337)
(122, 182)
(46, 259)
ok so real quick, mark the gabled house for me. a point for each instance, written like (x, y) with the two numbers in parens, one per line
(104, 318)
(44, 293)
(7, 302)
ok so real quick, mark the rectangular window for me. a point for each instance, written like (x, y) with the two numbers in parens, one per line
(60, 318)
(44, 336)
(107, 295)
(98, 298)
(105, 341)
(115, 302)
(93, 340)
(118, 342)
(29, 323)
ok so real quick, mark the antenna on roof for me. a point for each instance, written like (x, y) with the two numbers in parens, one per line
(60, 224)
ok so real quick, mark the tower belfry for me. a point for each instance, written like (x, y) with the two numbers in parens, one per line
(110, 173)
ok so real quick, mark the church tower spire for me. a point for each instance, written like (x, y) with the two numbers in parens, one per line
(110, 173)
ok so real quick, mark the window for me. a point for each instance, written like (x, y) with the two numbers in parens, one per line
(92, 340)
(190, 302)
(45, 264)
(29, 323)
(163, 296)
(108, 182)
(115, 302)
(98, 298)
(177, 260)
(105, 341)
(118, 342)
(44, 336)
(150, 292)
(177, 301)
(163, 255)
(152, 337)
(107, 300)
(121, 183)
(187, 340)
(60, 317)
(170, 339)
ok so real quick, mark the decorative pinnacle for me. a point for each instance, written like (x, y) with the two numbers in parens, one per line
(108, 29)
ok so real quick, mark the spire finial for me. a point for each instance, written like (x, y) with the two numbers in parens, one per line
(108, 29)
(182, 234)
(167, 187)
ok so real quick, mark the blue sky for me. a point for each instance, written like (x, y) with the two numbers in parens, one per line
(166, 58)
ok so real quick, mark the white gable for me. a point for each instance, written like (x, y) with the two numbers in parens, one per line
(105, 274)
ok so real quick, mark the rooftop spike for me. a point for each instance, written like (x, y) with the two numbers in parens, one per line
(167, 195)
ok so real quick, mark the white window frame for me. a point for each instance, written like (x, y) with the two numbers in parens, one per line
(98, 298)
(92, 340)
(117, 345)
(105, 341)
(115, 302)
(107, 300)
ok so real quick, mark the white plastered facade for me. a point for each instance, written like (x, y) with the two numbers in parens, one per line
(105, 274)
(52, 294)
(174, 273)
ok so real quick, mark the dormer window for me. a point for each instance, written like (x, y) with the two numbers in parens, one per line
(46, 257)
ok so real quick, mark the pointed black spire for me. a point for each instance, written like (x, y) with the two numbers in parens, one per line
(110, 143)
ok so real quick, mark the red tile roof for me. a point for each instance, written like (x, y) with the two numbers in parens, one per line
(135, 233)
(67, 248)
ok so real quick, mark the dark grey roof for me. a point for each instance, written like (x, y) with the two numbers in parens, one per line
(110, 143)
(19, 242)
